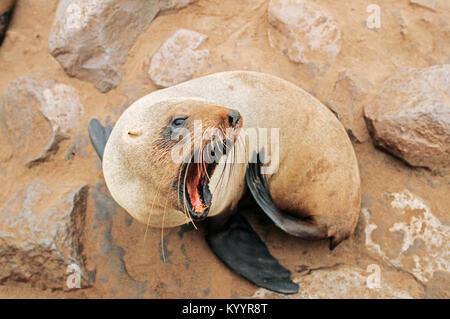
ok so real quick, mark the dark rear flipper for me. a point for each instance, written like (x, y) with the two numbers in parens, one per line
(99, 135)
(291, 225)
(241, 249)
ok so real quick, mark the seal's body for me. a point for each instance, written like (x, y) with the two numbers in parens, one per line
(317, 180)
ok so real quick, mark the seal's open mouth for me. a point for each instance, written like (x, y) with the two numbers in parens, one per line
(197, 193)
(194, 186)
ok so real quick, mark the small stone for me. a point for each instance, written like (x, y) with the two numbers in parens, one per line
(90, 38)
(40, 230)
(404, 33)
(177, 60)
(410, 117)
(429, 4)
(36, 113)
(304, 31)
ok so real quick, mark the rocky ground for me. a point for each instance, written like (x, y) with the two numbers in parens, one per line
(386, 77)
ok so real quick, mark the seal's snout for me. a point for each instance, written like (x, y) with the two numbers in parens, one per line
(233, 117)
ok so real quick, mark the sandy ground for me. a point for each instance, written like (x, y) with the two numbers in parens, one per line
(237, 39)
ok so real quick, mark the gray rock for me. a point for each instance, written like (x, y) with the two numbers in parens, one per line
(177, 60)
(303, 31)
(410, 117)
(79, 147)
(90, 39)
(36, 113)
(40, 232)
(111, 268)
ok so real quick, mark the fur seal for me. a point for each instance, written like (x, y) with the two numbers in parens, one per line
(303, 174)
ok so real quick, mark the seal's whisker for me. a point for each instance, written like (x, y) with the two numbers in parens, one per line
(222, 174)
(158, 157)
(230, 166)
(226, 166)
(151, 209)
(184, 192)
(161, 155)
(241, 140)
(162, 231)
(203, 162)
(178, 183)
(202, 166)
(233, 151)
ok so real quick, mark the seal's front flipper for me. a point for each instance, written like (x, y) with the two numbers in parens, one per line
(291, 225)
(241, 249)
(99, 135)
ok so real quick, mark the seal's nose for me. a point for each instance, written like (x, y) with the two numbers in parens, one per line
(233, 117)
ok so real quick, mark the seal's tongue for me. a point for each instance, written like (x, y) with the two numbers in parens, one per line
(195, 179)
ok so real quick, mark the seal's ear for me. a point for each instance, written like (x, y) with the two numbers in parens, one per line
(241, 249)
(99, 135)
(259, 189)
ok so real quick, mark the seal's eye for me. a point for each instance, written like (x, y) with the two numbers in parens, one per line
(179, 121)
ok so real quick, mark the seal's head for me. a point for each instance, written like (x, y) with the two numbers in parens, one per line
(161, 157)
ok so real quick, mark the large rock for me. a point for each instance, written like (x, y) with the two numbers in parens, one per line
(36, 114)
(303, 31)
(90, 39)
(177, 60)
(410, 117)
(40, 231)
(339, 282)
(411, 238)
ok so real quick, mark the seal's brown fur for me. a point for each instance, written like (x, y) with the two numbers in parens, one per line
(317, 179)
